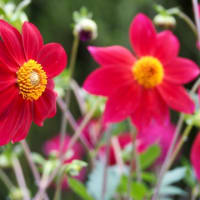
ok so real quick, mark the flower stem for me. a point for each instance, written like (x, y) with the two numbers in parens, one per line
(20, 178)
(185, 18)
(182, 140)
(196, 16)
(6, 180)
(105, 171)
(67, 101)
(135, 161)
(168, 157)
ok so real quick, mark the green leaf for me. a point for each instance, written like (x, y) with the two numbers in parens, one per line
(79, 189)
(172, 190)
(138, 191)
(148, 177)
(148, 157)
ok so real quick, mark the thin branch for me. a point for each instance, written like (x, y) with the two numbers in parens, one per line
(20, 178)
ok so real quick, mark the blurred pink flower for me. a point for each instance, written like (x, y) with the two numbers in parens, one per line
(194, 156)
(77, 151)
(92, 132)
(123, 140)
(155, 133)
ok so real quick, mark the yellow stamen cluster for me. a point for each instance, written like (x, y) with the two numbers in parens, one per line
(148, 72)
(31, 80)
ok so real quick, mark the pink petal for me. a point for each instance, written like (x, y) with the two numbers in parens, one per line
(176, 97)
(151, 107)
(105, 80)
(122, 103)
(22, 132)
(44, 107)
(32, 40)
(13, 42)
(142, 35)
(181, 71)
(194, 156)
(6, 60)
(53, 58)
(166, 47)
(112, 56)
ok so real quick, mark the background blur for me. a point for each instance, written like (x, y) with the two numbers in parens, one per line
(113, 17)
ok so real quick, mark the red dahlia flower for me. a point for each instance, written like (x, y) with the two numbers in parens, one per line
(27, 67)
(143, 85)
(76, 153)
(194, 156)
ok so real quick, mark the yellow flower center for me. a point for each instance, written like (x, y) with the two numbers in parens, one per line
(148, 72)
(32, 80)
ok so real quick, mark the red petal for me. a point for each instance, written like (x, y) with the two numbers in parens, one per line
(181, 71)
(112, 56)
(8, 97)
(53, 58)
(6, 60)
(13, 42)
(12, 120)
(166, 47)
(44, 107)
(7, 78)
(176, 97)
(22, 132)
(142, 35)
(194, 156)
(105, 80)
(122, 103)
(151, 107)
(32, 40)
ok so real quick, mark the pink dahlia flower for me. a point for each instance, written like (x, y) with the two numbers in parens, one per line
(27, 69)
(194, 156)
(142, 85)
(77, 151)
(155, 133)
(92, 133)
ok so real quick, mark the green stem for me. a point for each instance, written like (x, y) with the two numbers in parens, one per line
(67, 101)
(182, 140)
(6, 180)
(188, 21)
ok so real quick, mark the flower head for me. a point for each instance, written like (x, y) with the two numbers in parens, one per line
(194, 156)
(75, 153)
(143, 85)
(27, 67)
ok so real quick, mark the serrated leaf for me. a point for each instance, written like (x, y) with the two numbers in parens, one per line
(174, 176)
(79, 189)
(95, 181)
(172, 190)
(148, 157)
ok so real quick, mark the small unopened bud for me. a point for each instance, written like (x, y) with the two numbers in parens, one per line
(86, 29)
(165, 21)
(16, 194)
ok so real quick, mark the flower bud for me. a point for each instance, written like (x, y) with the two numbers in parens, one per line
(165, 21)
(86, 29)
